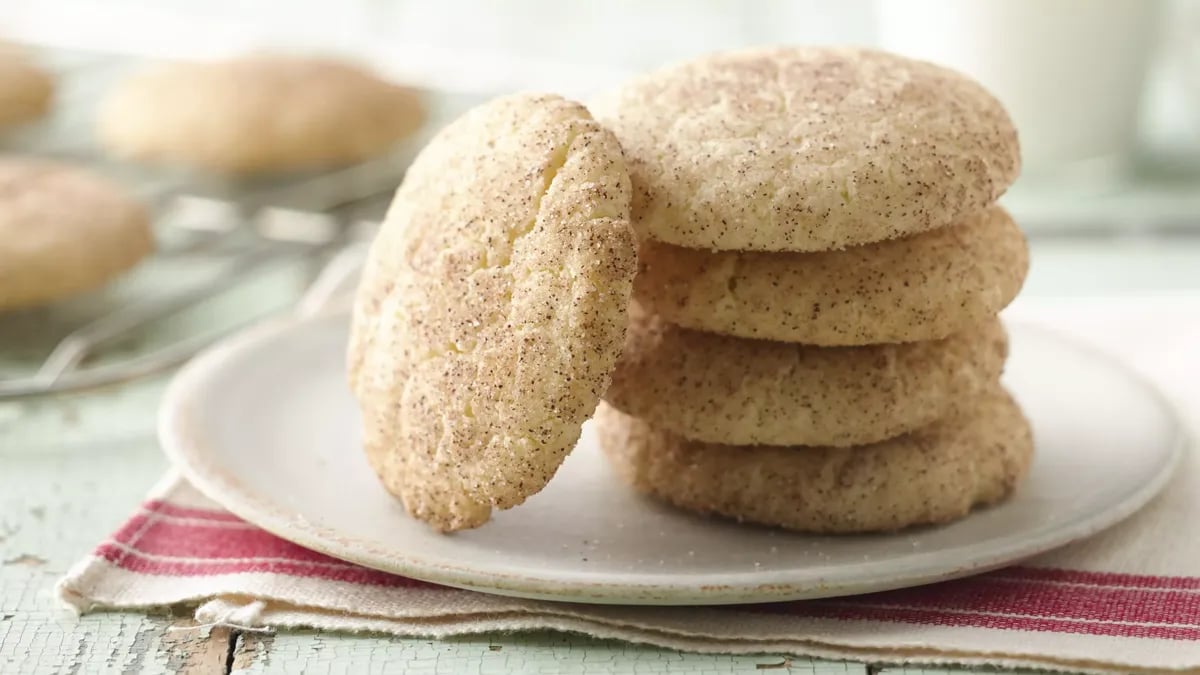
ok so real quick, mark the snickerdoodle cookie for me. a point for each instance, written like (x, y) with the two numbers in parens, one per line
(721, 389)
(63, 230)
(493, 307)
(26, 90)
(808, 149)
(933, 475)
(923, 287)
(257, 114)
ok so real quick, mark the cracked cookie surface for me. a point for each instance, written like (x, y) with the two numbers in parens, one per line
(808, 149)
(493, 307)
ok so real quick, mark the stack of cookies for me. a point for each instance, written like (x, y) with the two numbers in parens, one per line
(781, 269)
(814, 341)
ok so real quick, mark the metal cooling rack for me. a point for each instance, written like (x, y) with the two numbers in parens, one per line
(229, 253)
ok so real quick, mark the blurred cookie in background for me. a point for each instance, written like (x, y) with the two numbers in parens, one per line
(257, 114)
(26, 89)
(64, 230)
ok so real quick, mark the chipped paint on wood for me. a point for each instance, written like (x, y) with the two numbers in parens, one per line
(253, 650)
(78, 659)
(26, 559)
(142, 643)
(542, 652)
(917, 670)
(57, 500)
(197, 650)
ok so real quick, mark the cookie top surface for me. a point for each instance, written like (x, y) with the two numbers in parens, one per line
(721, 389)
(493, 307)
(63, 230)
(932, 475)
(924, 287)
(257, 114)
(808, 149)
(26, 90)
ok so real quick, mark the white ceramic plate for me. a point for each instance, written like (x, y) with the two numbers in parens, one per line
(264, 425)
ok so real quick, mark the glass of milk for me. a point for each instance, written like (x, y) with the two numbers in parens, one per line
(1070, 72)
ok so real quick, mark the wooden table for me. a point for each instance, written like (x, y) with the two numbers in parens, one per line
(72, 468)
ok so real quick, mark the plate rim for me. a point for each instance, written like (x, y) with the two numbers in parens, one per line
(185, 449)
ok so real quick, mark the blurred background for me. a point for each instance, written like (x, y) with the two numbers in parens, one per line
(1106, 96)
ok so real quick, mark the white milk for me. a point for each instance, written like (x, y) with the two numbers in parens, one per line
(1070, 72)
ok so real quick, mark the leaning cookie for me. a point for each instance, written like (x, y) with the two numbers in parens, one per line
(63, 230)
(923, 287)
(719, 389)
(934, 475)
(808, 149)
(257, 114)
(493, 307)
(26, 90)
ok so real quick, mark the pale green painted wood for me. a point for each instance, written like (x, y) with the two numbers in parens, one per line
(56, 502)
(534, 653)
(917, 670)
